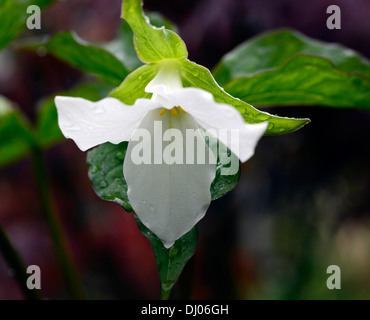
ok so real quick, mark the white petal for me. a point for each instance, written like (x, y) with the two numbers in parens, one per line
(168, 199)
(92, 123)
(213, 115)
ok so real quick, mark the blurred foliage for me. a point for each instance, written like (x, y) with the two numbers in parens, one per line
(15, 133)
(13, 17)
(18, 136)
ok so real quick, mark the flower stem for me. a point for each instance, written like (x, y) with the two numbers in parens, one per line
(165, 293)
(68, 268)
(17, 266)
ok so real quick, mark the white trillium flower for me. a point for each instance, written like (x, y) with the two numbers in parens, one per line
(169, 199)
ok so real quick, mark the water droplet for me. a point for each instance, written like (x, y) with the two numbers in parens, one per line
(103, 184)
(156, 197)
(195, 72)
(262, 116)
(74, 127)
(140, 78)
(248, 114)
(143, 202)
(97, 110)
(94, 169)
(151, 208)
(120, 156)
(41, 51)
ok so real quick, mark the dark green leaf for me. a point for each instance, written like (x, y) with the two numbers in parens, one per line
(304, 80)
(105, 165)
(152, 44)
(15, 134)
(85, 57)
(194, 75)
(106, 173)
(273, 49)
(13, 17)
(170, 262)
(122, 47)
(223, 183)
(47, 128)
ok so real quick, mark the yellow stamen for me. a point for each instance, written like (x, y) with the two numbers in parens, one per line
(174, 112)
(163, 111)
(181, 109)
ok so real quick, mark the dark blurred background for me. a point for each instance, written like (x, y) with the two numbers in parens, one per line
(301, 205)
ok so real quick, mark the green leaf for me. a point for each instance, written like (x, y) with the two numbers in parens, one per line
(47, 129)
(15, 134)
(133, 87)
(194, 75)
(273, 49)
(304, 80)
(170, 262)
(86, 57)
(105, 169)
(152, 44)
(123, 46)
(225, 180)
(13, 17)
(223, 184)
(105, 165)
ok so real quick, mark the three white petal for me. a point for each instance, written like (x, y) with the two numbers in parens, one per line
(169, 199)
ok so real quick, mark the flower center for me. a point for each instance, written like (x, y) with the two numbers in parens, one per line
(173, 111)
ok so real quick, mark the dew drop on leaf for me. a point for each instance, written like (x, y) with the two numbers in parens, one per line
(103, 184)
(93, 169)
(120, 156)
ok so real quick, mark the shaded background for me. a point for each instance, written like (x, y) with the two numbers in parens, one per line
(301, 205)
